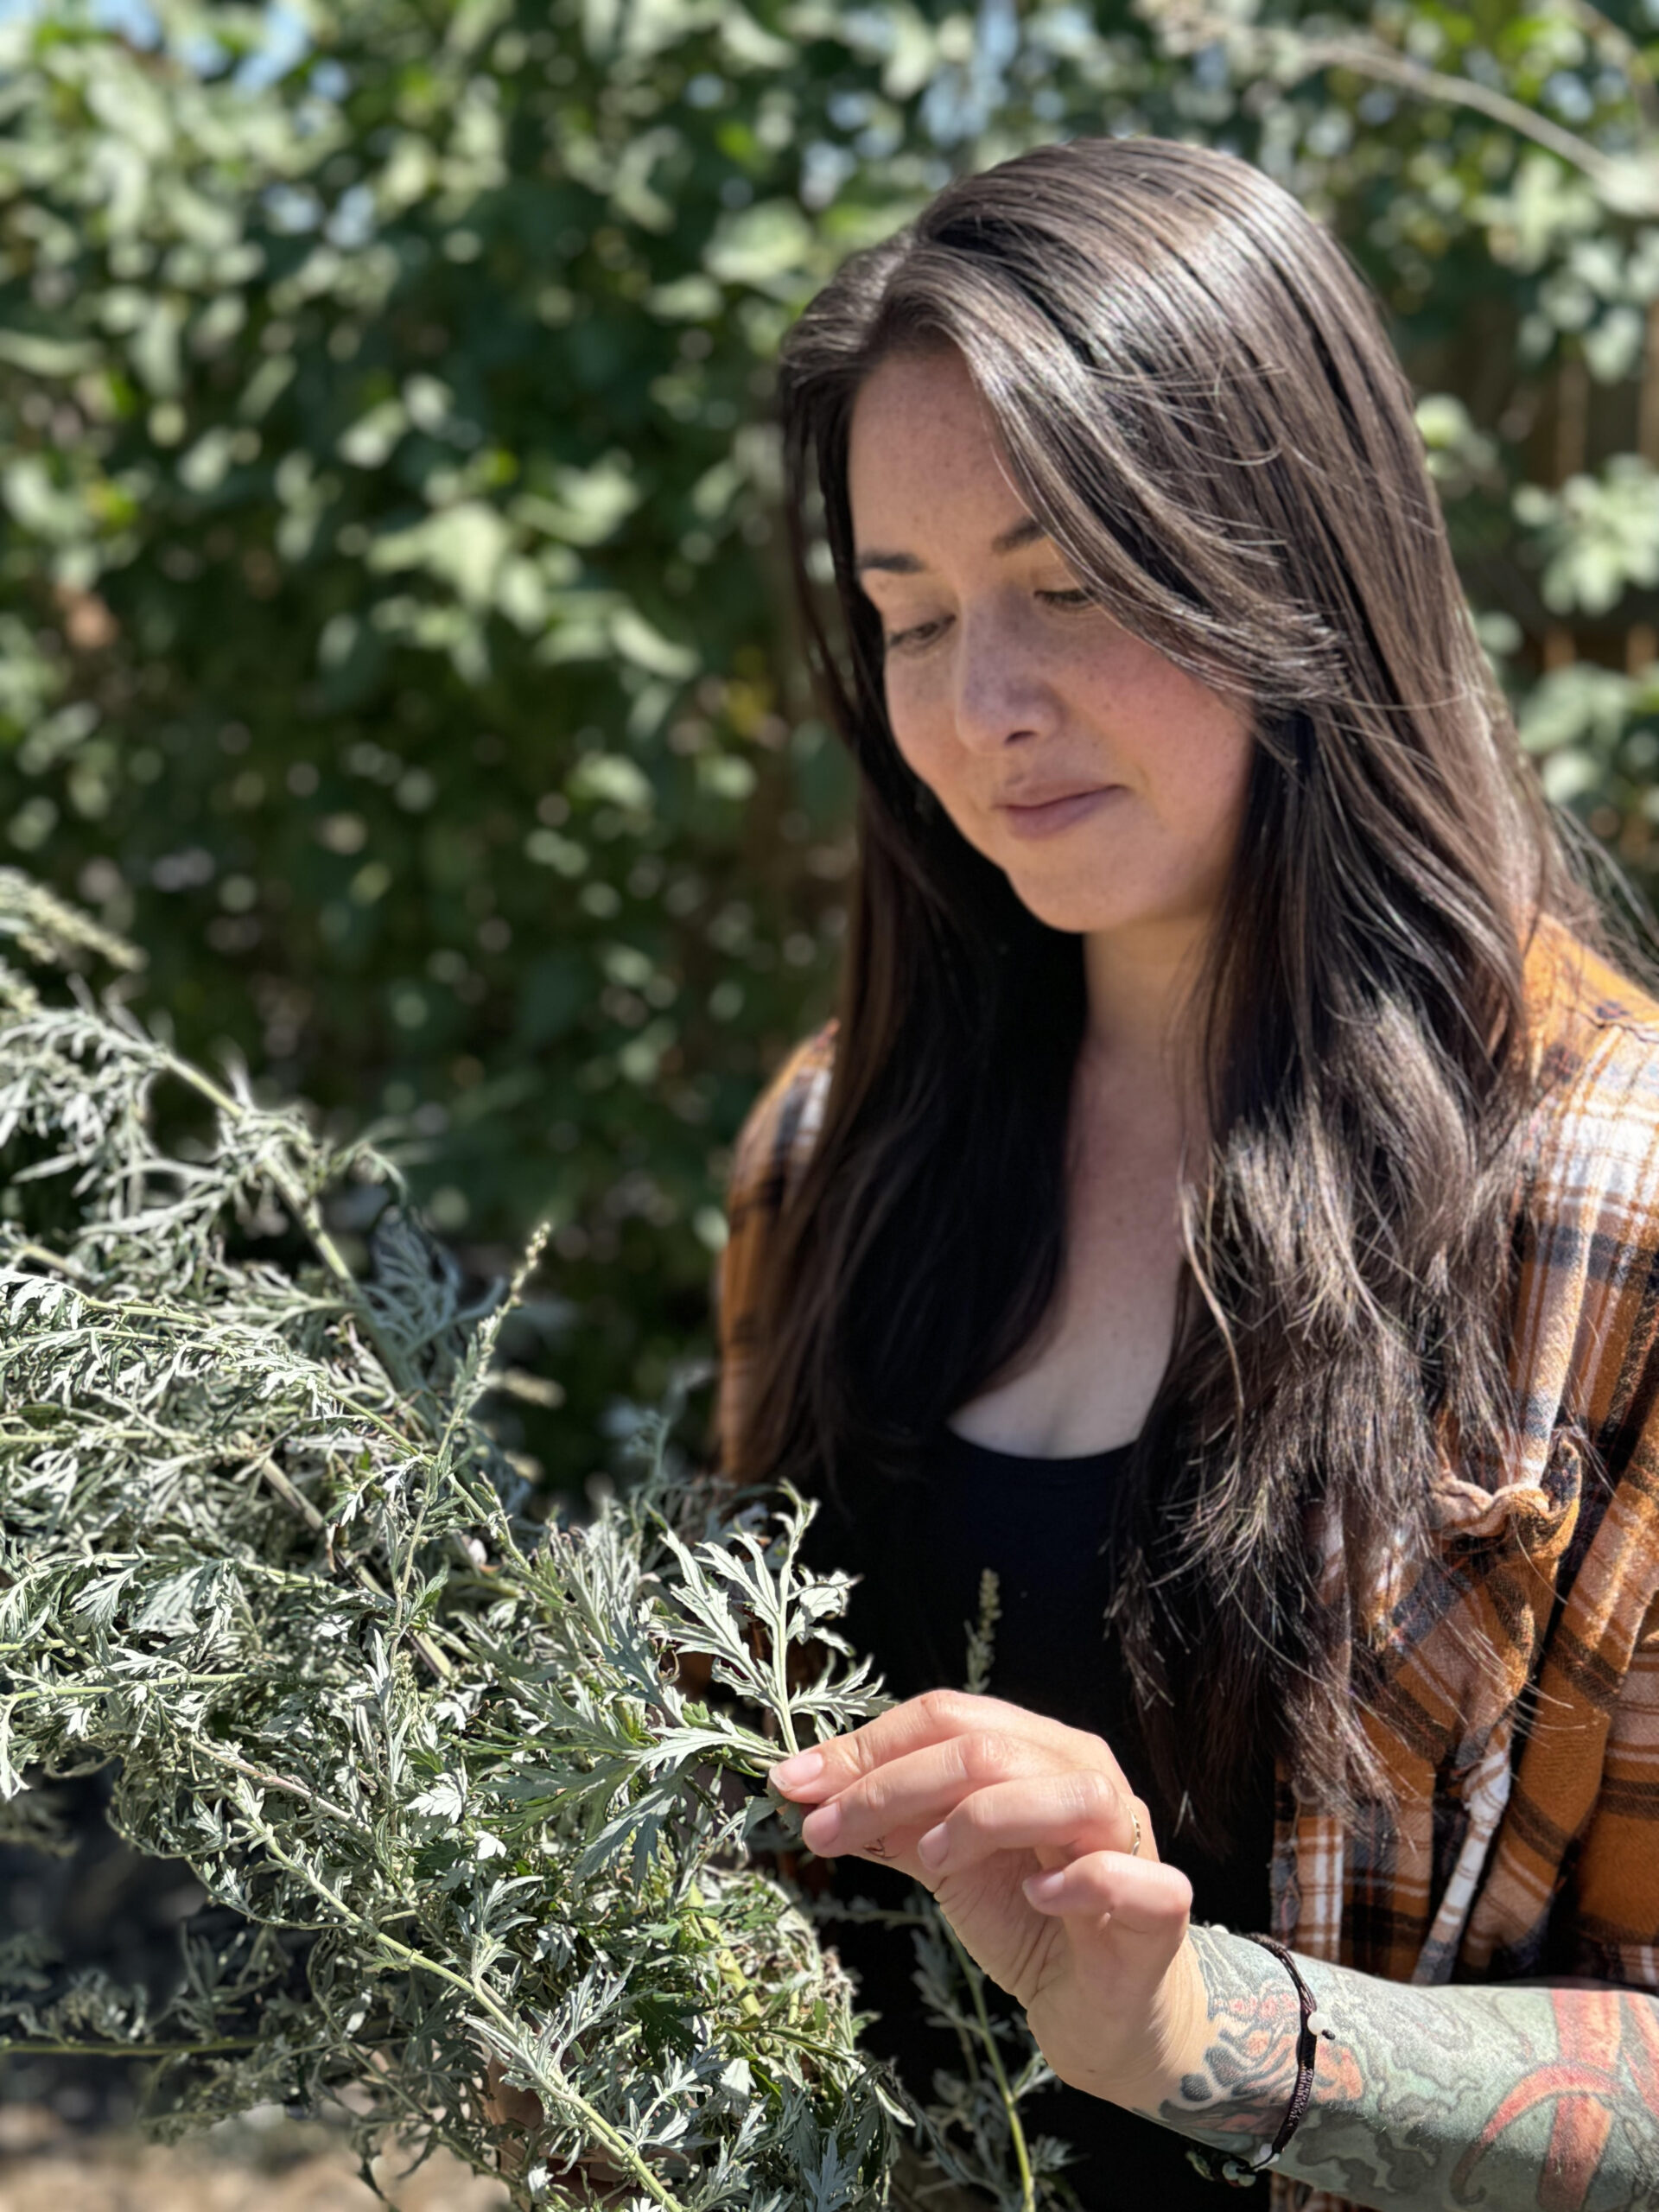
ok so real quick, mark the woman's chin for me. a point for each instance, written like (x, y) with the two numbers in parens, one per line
(1081, 910)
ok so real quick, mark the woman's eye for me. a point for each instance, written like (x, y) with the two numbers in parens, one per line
(919, 633)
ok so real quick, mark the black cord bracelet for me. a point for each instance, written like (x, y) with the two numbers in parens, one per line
(1226, 2165)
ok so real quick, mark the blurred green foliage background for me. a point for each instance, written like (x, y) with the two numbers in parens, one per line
(391, 627)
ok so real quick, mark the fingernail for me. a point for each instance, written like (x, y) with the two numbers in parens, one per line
(1043, 1889)
(933, 1845)
(804, 1766)
(820, 1829)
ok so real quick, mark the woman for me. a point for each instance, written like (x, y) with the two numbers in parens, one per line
(1227, 1209)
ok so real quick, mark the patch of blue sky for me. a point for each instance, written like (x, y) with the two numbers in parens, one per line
(286, 39)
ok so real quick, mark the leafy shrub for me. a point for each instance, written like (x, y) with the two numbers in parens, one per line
(390, 625)
(431, 1759)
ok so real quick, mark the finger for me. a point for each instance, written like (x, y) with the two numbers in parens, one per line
(1142, 1903)
(911, 1791)
(919, 1789)
(505, 2105)
(1068, 1815)
(934, 1717)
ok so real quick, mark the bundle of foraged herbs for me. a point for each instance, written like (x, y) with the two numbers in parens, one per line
(258, 1550)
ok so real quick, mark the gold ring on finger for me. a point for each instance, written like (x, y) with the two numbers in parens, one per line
(1134, 1828)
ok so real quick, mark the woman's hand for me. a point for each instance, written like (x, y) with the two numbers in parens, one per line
(593, 2175)
(1024, 1830)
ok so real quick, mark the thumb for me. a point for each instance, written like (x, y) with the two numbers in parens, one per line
(1126, 1922)
(1135, 1911)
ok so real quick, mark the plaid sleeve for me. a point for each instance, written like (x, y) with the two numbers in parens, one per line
(1573, 1882)
(774, 1144)
(1605, 1650)
(1617, 1924)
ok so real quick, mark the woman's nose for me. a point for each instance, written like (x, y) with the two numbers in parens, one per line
(1003, 694)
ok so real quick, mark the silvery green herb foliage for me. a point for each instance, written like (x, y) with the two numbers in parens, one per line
(429, 1759)
(973, 2126)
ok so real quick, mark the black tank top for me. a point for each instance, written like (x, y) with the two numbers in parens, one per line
(1049, 1529)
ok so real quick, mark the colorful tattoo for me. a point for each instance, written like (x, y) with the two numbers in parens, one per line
(1532, 2099)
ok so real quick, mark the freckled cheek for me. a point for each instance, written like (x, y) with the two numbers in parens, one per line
(1197, 784)
(1229, 788)
(927, 741)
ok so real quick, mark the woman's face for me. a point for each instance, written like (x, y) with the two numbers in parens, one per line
(1105, 782)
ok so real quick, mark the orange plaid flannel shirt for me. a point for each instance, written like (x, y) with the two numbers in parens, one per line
(1524, 1836)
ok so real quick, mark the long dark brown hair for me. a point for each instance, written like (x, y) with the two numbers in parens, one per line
(1199, 403)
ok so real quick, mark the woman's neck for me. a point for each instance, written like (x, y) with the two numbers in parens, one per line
(1140, 994)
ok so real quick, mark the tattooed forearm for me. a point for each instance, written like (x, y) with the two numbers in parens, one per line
(1540, 2099)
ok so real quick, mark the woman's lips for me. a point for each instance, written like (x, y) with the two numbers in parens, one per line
(1049, 817)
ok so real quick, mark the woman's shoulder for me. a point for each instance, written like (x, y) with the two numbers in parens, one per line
(776, 1140)
(772, 1145)
(1596, 1035)
(1591, 1177)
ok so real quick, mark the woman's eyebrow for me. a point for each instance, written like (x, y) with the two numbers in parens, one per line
(1026, 531)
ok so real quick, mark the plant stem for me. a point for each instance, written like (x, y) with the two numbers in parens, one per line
(977, 1989)
(297, 1502)
(615, 2143)
(45, 2047)
(76, 1691)
(780, 1657)
(269, 1780)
